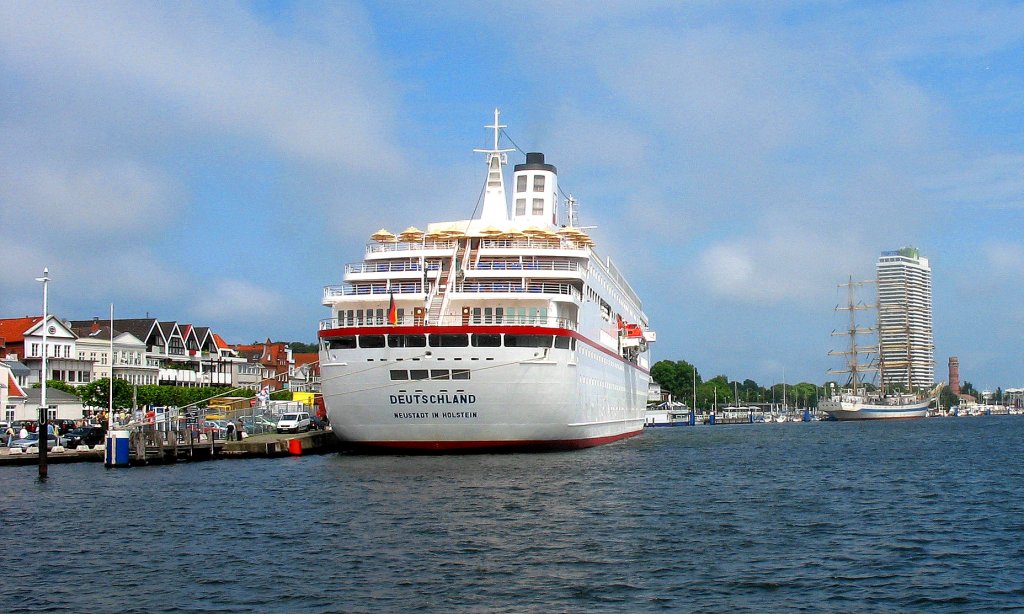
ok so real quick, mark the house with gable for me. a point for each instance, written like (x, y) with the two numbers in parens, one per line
(128, 361)
(182, 354)
(23, 338)
(305, 377)
(275, 358)
(11, 393)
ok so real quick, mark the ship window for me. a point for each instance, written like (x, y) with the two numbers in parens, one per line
(562, 343)
(399, 375)
(439, 374)
(488, 315)
(538, 184)
(538, 206)
(521, 184)
(476, 315)
(499, 313)
(371, 341)
(343, 343)
(418, 374)
(449, 341)
(520, 206)
(460, 373)
(407, 341)
(528, 341)
(486, 341)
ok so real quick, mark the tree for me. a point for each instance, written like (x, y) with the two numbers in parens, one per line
(303, 348)
(97, 394)
(57, 384)
(676, 378)
(715, 389)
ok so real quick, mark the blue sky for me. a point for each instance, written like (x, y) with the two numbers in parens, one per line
(219, 163)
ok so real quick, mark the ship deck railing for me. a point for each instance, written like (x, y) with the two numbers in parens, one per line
(390, 267)
(376, 248)
(524, 243)
(473, 320)
(515, 287)
(415, 287)
(368, 289)
(515, 265)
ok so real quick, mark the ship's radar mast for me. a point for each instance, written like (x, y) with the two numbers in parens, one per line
(495, 208)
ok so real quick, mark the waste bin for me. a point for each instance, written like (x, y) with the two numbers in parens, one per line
(117, 449)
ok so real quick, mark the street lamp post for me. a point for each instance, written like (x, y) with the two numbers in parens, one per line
(44, 436)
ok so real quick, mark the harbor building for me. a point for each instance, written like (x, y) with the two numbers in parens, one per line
(906, 345)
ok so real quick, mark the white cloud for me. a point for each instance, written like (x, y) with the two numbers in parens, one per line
(787, 265)
(214, 67)
(237, 299)
(102, 196)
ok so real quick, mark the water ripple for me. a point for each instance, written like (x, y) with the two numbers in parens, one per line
(908, 516)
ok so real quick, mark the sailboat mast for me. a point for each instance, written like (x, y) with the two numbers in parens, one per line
(854, 374)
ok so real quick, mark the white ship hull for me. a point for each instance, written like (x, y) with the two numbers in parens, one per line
(514, 398)
(844, 410)
(503, 331)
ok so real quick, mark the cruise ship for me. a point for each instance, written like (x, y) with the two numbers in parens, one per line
(504, 331)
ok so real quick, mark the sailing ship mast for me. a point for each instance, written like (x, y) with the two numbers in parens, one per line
(853, 367)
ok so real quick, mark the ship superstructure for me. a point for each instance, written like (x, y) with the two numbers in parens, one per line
(502, 331)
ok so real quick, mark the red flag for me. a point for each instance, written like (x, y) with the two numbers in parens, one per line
(392, 311)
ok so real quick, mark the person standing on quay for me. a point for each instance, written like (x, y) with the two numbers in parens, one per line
(240, 429)
(231, 431)
(10, 434)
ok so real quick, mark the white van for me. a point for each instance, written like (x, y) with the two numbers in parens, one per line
(293, 423)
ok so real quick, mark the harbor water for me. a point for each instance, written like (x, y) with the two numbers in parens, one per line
(872, 516)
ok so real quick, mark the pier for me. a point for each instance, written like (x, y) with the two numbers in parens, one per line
(168, 447)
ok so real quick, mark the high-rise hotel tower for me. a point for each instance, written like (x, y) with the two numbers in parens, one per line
(906, 346)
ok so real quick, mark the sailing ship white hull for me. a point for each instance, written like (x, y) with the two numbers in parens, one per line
(844, 410)
(514, 398)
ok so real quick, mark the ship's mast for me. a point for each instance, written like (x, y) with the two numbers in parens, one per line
(853, 366)
(495, 208)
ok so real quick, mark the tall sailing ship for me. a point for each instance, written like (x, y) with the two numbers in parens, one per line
(505, 331)
(854, 401)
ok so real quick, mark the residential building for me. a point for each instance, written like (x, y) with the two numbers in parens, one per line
(60, 405)
(305, 377)
(906, 346)
(183, 354)
(129, 361)
(11, 393)
(23, 338)
(275, 356)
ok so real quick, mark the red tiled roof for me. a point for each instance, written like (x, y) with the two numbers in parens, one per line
(12, 330)
(305, 358)
(13, 389)
(221, 344)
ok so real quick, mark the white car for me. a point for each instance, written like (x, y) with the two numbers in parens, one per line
(293, 423)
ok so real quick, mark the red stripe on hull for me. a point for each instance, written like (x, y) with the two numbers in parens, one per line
(456, 447)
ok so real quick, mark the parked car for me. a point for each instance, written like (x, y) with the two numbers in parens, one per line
(219, 428)
(293, 423)
(317, 424)
(255, 425)
(33, 441)
(84, 436)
